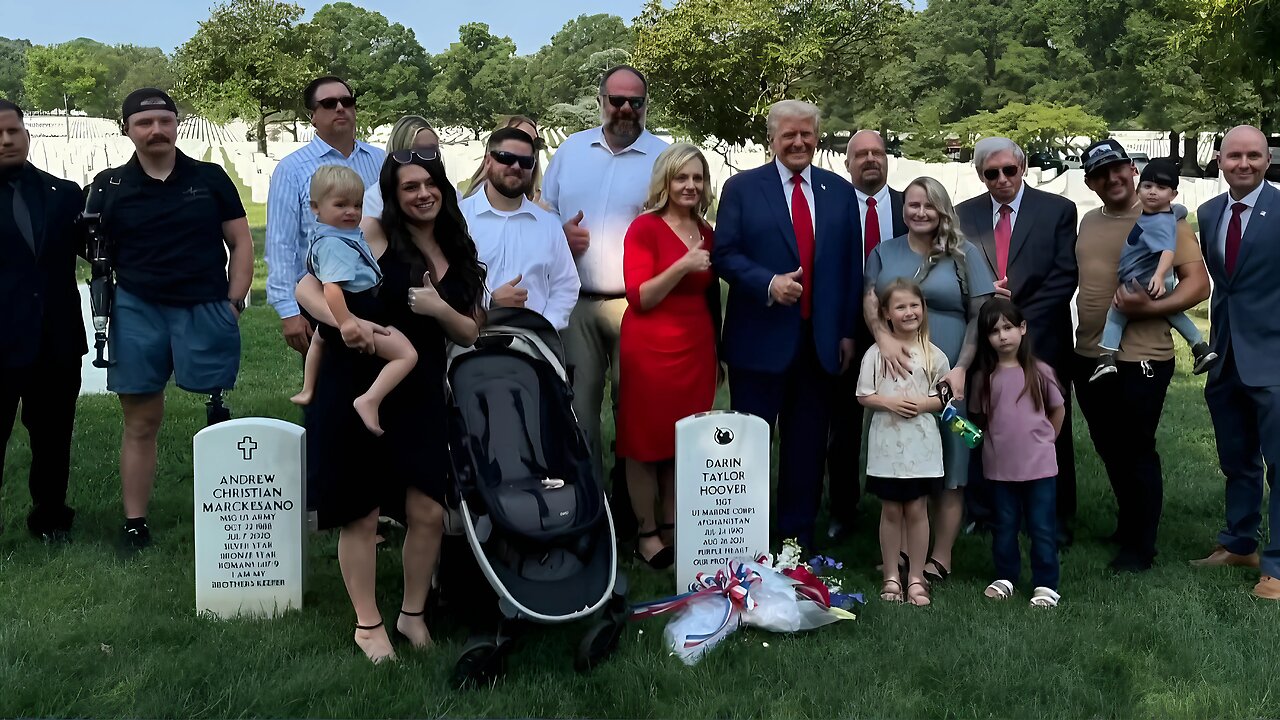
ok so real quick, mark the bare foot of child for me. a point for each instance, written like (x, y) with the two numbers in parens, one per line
(375, 644)
(414, 627)
(367, 409)
(302, 398)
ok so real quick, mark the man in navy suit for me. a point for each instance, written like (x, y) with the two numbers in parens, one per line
(43, 341)
(1028, 237)
(785, 243)
(1240, 239)
(879, 209)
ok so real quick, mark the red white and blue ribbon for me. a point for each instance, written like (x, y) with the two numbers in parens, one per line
(734, 584)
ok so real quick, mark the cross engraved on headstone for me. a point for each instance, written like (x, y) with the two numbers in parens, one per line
(247, 446)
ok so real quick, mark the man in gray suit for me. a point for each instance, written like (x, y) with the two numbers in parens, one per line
(1240, 237)
(1028, 237)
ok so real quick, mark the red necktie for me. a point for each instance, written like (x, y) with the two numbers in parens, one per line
(1004, 230)
(1233, 237)
(803, 224)
(871, 233)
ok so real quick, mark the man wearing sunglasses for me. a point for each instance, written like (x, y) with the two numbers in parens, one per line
(1028, 237)
(597, 182)
(522, 245)
(332, 106)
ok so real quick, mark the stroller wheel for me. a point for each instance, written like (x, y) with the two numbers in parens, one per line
(597, 645)
(482, 662)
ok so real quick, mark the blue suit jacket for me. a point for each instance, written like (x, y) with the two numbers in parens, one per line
(1242, 310)
(755, 240)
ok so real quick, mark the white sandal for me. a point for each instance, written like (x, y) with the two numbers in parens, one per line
(999, 590)
(1044, 597)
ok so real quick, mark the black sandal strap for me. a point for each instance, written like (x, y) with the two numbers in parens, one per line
(667, 526)
(652, 533)
(406, 613)
(369, 627)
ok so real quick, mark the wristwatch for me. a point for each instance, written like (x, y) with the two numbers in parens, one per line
(237, 304)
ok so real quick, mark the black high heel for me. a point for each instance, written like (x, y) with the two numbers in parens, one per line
(661, 560)
(409, 614)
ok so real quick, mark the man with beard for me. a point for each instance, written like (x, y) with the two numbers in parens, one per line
(41, 350)
(332, 106)
(880, 216)
(522, 245)
(597, 182)
(173, 220)
(1123, 411)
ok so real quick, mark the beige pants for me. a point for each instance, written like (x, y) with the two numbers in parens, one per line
(591, 348)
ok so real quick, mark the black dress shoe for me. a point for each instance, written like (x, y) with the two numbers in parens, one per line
(50, 524)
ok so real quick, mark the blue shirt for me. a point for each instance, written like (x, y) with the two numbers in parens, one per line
(289, 216)
(343, 257)
(1154, 233)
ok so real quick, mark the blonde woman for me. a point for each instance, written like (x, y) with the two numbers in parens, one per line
(530, 128)
(411, 132)
(956, 282)
(668, 361)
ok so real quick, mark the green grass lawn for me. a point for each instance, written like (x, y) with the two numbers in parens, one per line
(85, 633)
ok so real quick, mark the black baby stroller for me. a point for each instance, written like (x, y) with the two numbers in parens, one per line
(526, 496)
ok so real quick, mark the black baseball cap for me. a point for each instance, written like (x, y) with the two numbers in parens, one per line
(1103, 153)
(1161, 172)
(144, 99)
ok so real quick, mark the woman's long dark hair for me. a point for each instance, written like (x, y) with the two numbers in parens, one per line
(450, 228)
(988, 360)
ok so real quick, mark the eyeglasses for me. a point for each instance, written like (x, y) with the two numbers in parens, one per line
(636, 101)
(331, 103)
(427, 154)
(503, 157)
(993, 173)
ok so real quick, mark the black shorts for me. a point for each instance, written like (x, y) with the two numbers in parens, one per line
(901, 490)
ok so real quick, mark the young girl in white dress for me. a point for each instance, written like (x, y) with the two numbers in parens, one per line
(904, 448)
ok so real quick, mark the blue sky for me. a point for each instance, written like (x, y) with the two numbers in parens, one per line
(167, 24)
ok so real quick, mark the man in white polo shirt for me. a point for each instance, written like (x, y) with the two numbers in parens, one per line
(597, 181)
(522, 245)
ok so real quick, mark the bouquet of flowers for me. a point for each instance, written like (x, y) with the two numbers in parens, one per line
(780, 595)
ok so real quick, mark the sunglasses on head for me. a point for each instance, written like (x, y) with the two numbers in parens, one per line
(427, 154)
(331, 103)
(993, 173)
(636, 101)
(502, 157)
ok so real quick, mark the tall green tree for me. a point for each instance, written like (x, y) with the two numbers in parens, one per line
(383, 61)
(715, 66)
(564, 71)
(70, 76)
(250, 60)
(13, 66)
(478, 79)
(1238, 42)
(1035, 126)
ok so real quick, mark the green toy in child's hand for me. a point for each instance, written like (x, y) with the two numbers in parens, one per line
(971, 434)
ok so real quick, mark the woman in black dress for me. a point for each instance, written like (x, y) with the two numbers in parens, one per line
(431, 292)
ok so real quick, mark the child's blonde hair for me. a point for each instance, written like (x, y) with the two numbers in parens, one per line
(922, 335)
(330, 180)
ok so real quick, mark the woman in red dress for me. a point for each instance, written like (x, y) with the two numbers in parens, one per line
(668, 365)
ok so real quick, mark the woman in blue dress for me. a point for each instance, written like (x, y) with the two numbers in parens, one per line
(956, 282)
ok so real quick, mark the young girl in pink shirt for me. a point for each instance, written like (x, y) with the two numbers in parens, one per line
(1017, 400)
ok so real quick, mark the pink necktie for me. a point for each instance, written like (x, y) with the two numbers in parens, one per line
(871, 235)
(1004, 229)
(1233, 237)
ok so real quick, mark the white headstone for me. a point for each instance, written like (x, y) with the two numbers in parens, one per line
(722, 492)
(250, 517)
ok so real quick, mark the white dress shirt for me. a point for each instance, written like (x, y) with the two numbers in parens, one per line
(806, 187)
(1015, 206)
(609, 189)
(529, 242)
(1250, 201)
(289, 215)
(373, 201)
(884, 213)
